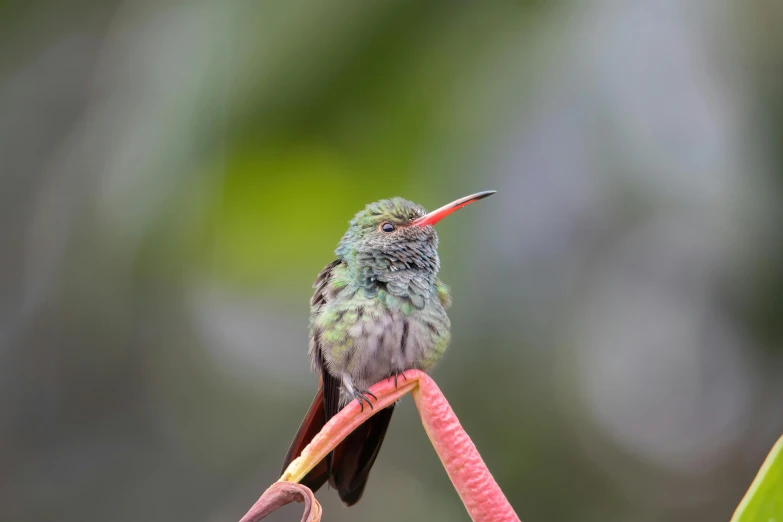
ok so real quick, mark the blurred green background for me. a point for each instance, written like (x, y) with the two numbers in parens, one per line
(173, 175)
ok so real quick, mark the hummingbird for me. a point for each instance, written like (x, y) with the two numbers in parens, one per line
(378, 309)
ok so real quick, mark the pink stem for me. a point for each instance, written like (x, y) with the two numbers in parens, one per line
(478, 490)
(341, 425)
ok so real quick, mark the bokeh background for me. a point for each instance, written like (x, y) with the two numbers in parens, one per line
(175, 174)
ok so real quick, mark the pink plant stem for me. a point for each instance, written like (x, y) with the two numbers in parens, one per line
(341, 425)
(478, 490)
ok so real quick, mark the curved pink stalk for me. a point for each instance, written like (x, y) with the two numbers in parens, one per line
(478, 490)
(340, 426)
(278, 495)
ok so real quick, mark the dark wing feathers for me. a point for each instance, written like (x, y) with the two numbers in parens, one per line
(331, 388)
(329, 384)
(321, 283)
(311, 425)
(316, 415)
(331, 404)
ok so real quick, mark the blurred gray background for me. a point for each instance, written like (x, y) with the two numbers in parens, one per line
(173, 175)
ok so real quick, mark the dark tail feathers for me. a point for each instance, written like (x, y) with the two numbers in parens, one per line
(349, 465)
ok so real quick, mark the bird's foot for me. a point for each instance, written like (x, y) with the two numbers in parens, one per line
(362, 397)
(395, 374)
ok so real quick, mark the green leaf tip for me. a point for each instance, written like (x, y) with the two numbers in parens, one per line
(764, 500)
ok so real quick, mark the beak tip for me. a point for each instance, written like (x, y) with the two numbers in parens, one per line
(436, 215)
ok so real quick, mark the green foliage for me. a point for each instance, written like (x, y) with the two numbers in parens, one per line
(764, 500)
(277, 210)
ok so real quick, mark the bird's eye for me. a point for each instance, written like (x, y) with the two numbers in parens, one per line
(387, 227)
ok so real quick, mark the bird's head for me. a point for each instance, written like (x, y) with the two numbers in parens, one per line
(393, 241)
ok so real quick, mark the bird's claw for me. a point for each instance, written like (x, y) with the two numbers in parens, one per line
(362, 397)
(396, 374)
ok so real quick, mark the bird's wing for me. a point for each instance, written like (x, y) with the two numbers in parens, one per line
(321, 286)
(330, 385)
(326, 402)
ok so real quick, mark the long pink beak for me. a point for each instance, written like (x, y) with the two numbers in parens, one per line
(436, 215)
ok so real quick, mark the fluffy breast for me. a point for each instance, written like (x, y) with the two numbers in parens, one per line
(371, 337)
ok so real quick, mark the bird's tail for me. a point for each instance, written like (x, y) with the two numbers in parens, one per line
(311, 425)
(348, 467)
(353, 458)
